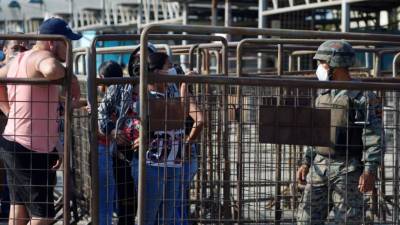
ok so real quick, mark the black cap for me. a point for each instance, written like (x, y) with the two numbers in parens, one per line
(58, 26)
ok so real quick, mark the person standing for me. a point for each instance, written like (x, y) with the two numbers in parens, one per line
(31, 133)
(336, 176)
(106, 151)
(171, 157)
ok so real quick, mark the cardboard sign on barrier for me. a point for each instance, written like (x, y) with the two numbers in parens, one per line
(294, 125)
(166, 114)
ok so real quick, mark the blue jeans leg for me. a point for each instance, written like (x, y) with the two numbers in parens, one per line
(188, 171)
(154, 190)
(167, 189)
(106, 184)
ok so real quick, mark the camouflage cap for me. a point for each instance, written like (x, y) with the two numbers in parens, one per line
(337, 53)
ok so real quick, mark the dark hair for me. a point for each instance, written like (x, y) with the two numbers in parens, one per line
(134, 61)
(157, 60)
(110, 69)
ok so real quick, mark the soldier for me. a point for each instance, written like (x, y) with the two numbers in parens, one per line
(339, 174)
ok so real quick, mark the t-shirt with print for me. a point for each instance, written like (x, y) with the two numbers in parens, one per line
(166, 147)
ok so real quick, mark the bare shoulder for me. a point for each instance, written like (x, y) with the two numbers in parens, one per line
(41, 63)
(40, 55)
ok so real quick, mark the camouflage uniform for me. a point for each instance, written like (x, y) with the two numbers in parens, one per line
(331, 195)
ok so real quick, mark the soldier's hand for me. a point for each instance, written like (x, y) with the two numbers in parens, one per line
(302, 174)
(366, 182)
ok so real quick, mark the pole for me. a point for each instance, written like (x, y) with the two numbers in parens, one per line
(228, 17)
(214, 9)
(262, 23)
(345, 16)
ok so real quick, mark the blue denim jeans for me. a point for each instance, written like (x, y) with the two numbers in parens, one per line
(106, 184)
(167, 190)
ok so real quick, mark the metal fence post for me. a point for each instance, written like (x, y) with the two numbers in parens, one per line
(92, 97)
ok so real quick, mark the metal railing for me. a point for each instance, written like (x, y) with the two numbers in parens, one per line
(227, 102)
(272, 82)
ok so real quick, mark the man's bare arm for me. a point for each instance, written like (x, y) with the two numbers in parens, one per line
(75, 94)
(49, 66)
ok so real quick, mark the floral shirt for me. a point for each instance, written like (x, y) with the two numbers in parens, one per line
(119, 109)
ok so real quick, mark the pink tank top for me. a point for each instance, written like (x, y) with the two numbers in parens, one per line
(32, 121)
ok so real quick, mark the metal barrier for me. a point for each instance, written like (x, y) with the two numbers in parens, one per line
(81, 129)
(81, 53)
(92, 84)
(63, 202)
(233, 185)
(394, 66)
(257, 162)
(232, 46)
(299, 50)
(80, 176)
(379, 52)
(223, 82)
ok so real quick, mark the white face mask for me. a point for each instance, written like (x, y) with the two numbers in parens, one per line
(322, 73)
(172, 71)
(172, 88)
